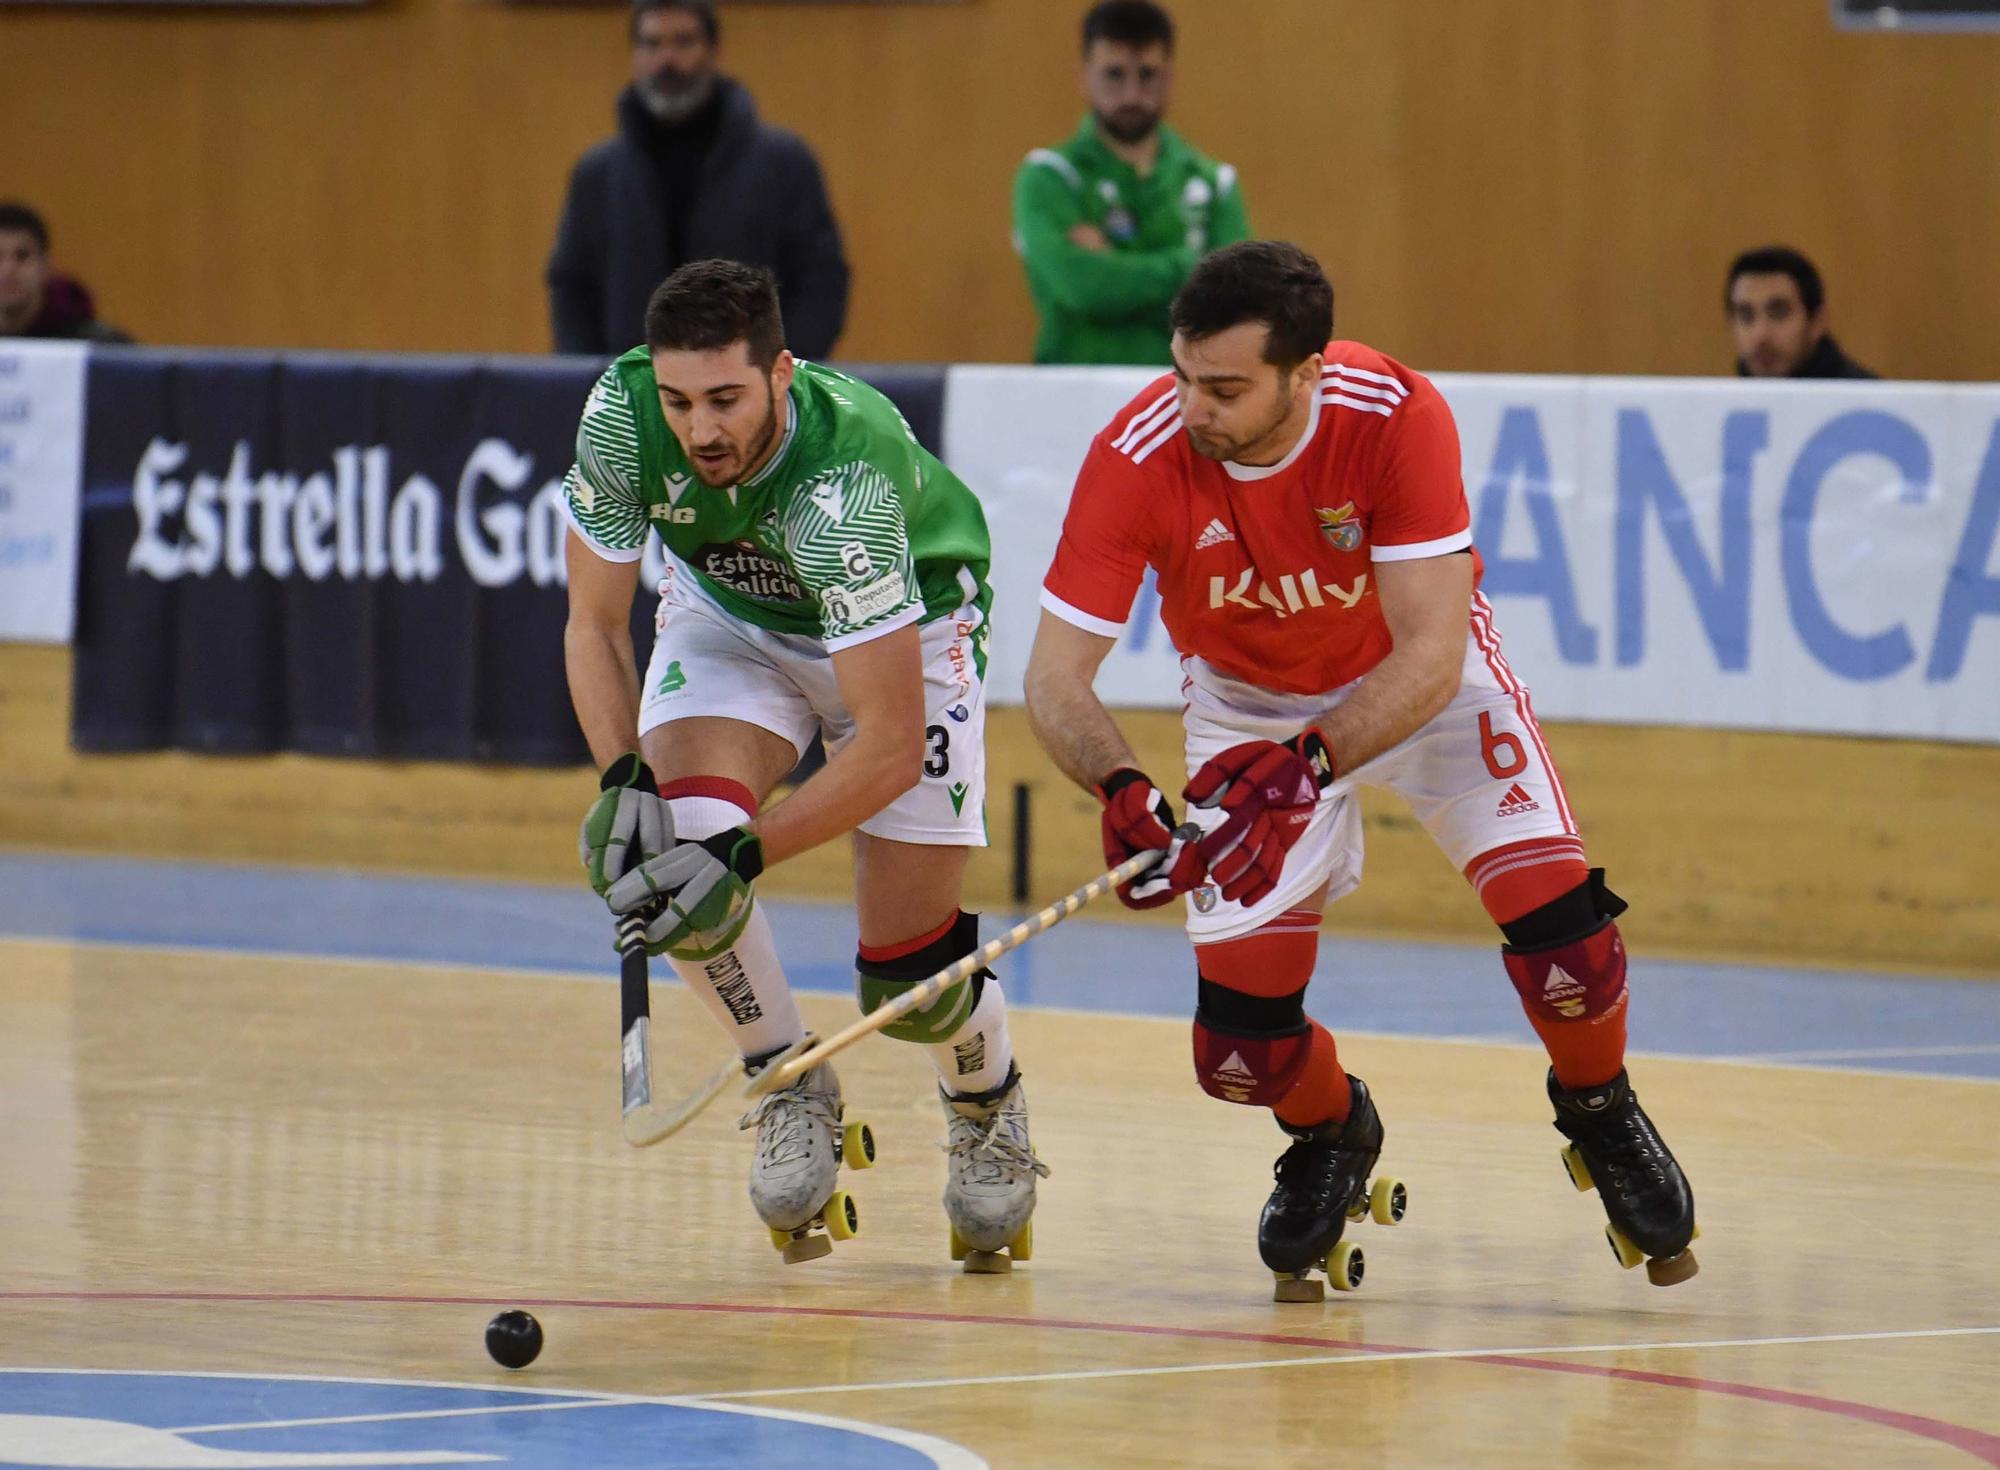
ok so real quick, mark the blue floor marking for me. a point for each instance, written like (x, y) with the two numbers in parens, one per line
(105, 1419)
(1899, 1023)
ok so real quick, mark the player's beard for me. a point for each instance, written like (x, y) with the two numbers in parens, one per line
(750, 459)
(1129, 125)
(1229, 449)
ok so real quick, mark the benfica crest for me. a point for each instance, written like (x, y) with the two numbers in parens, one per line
(1339, 526)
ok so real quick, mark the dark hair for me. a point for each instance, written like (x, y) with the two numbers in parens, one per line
(15, 215)
(707, 305)
(1129, 23)
(702, 10)
(1268, 281)
(1772, 260)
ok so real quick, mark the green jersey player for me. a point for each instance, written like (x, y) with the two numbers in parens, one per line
(826, 574)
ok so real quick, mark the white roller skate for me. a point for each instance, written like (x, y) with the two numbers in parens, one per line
(801, 1144)
(989, 1188)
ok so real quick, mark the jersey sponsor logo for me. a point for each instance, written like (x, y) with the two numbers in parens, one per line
(1565, 992)
(1339, 526)
(855, 559)
(679, 515)
(673, 681)
(1516, 801)
(1295, 592)
(957, 792)
(959, 713)
(1213, 534)
(847, 605)
(745, 570)
(1235, 1080)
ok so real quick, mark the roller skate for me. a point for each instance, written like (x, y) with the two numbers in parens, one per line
(990, 1173)
(1614, 1149)
(801, 1144)
(1322, 1184)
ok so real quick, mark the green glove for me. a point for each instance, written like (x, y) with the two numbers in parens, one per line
(696, 895)
(627, 824)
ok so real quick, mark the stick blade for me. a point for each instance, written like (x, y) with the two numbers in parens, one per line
(647, 1125)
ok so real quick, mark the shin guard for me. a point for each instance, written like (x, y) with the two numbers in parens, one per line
(1567, 962)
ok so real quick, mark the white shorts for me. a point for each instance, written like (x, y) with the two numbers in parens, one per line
(1478, 777)
(708, 663)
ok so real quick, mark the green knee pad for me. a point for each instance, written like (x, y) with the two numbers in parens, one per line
(930, 1024)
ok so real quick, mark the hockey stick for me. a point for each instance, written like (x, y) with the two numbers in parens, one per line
(786, 1070)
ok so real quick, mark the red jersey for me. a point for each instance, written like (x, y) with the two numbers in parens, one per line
(1265, 571)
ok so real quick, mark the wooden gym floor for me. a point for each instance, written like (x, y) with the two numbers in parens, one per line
(270, 1200)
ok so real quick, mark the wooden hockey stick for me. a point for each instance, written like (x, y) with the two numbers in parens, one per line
(786, 1070)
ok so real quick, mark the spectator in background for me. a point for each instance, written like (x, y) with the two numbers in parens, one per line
(36, 301)
(1111, 221)
(1777, 313)
(691, 175)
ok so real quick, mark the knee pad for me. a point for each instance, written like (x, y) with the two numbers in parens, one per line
(1567, 958)
(1249, 1048)
(884, 974)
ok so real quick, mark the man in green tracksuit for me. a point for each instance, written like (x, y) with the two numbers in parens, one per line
(1111, 221)
(826, 576)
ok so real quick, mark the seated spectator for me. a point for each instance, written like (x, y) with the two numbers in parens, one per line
(1777, 313)
(691, 174)
(1111, 221)
(36, 301)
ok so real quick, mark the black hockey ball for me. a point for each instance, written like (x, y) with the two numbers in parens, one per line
(514, 1339)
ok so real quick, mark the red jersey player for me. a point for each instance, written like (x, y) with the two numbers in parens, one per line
(1300, 501)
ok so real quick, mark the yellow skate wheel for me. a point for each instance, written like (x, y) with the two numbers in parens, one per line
(1578, 1170)
(780, 1238)
(857, 1146)
(1022, 1246)
(959, 1249)
(843, 1217)
(1345, 1266)
(1388, 1201)
(1629, 1255)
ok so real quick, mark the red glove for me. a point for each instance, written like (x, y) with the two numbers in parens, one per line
(1137, 819)
(1266, 792)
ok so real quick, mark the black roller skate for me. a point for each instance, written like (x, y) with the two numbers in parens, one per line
(1615, 1149)
(1322, 1184)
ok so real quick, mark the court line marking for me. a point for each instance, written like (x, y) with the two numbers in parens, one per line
(530, 972)
(945, 1454)
(1977, 1442)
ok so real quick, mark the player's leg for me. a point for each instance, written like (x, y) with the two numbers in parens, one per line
(1481, 780)
(714, 704)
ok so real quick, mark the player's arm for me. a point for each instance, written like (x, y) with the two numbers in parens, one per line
(882, 684)
(1424, 603)
(1064, 711)
(597, 651)
(1104, 284)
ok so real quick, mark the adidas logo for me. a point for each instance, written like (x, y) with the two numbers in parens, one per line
(1213, 534)
(1516, 801)
(1566, 993)
(1235, 1079)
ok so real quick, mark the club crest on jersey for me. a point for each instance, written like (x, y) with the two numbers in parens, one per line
(1205, 898)
(1340, 526)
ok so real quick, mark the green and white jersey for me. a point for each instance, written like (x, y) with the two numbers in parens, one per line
(851, 530)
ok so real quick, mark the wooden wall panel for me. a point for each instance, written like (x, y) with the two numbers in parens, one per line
(1532, 185)
(1795, 849)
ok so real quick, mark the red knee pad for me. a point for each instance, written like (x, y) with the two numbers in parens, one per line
(1577, 981)
(1258, 1070)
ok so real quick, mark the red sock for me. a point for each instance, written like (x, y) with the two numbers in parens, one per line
(1321, 1094)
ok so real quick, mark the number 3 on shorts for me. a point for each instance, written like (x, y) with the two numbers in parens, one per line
(1505, 756)
(937, 751)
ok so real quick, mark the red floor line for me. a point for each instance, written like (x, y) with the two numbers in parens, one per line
(1975, 1442)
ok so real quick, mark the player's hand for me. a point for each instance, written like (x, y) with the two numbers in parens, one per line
(1137, 819)
(1266, 793)
(695, 894)
(626, 825)
(1088, 237)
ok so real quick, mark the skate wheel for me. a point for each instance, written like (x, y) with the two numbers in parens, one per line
(1345, 1266)
(1629, 1255)
(780, 1238)
(857, 1146)
(959, 1249)
(1022, 1246)
(1388, 1201)
(1297, 1289)
(843, 1216)
(1577, 1169)
(1672, 1270)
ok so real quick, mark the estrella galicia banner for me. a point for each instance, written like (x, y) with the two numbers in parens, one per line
(1788, 556)
(337, 554)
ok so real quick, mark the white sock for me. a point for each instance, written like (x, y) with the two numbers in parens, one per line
(744, 987)
(979, 1054)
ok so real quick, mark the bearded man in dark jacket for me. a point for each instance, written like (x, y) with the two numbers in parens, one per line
(691, 174)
